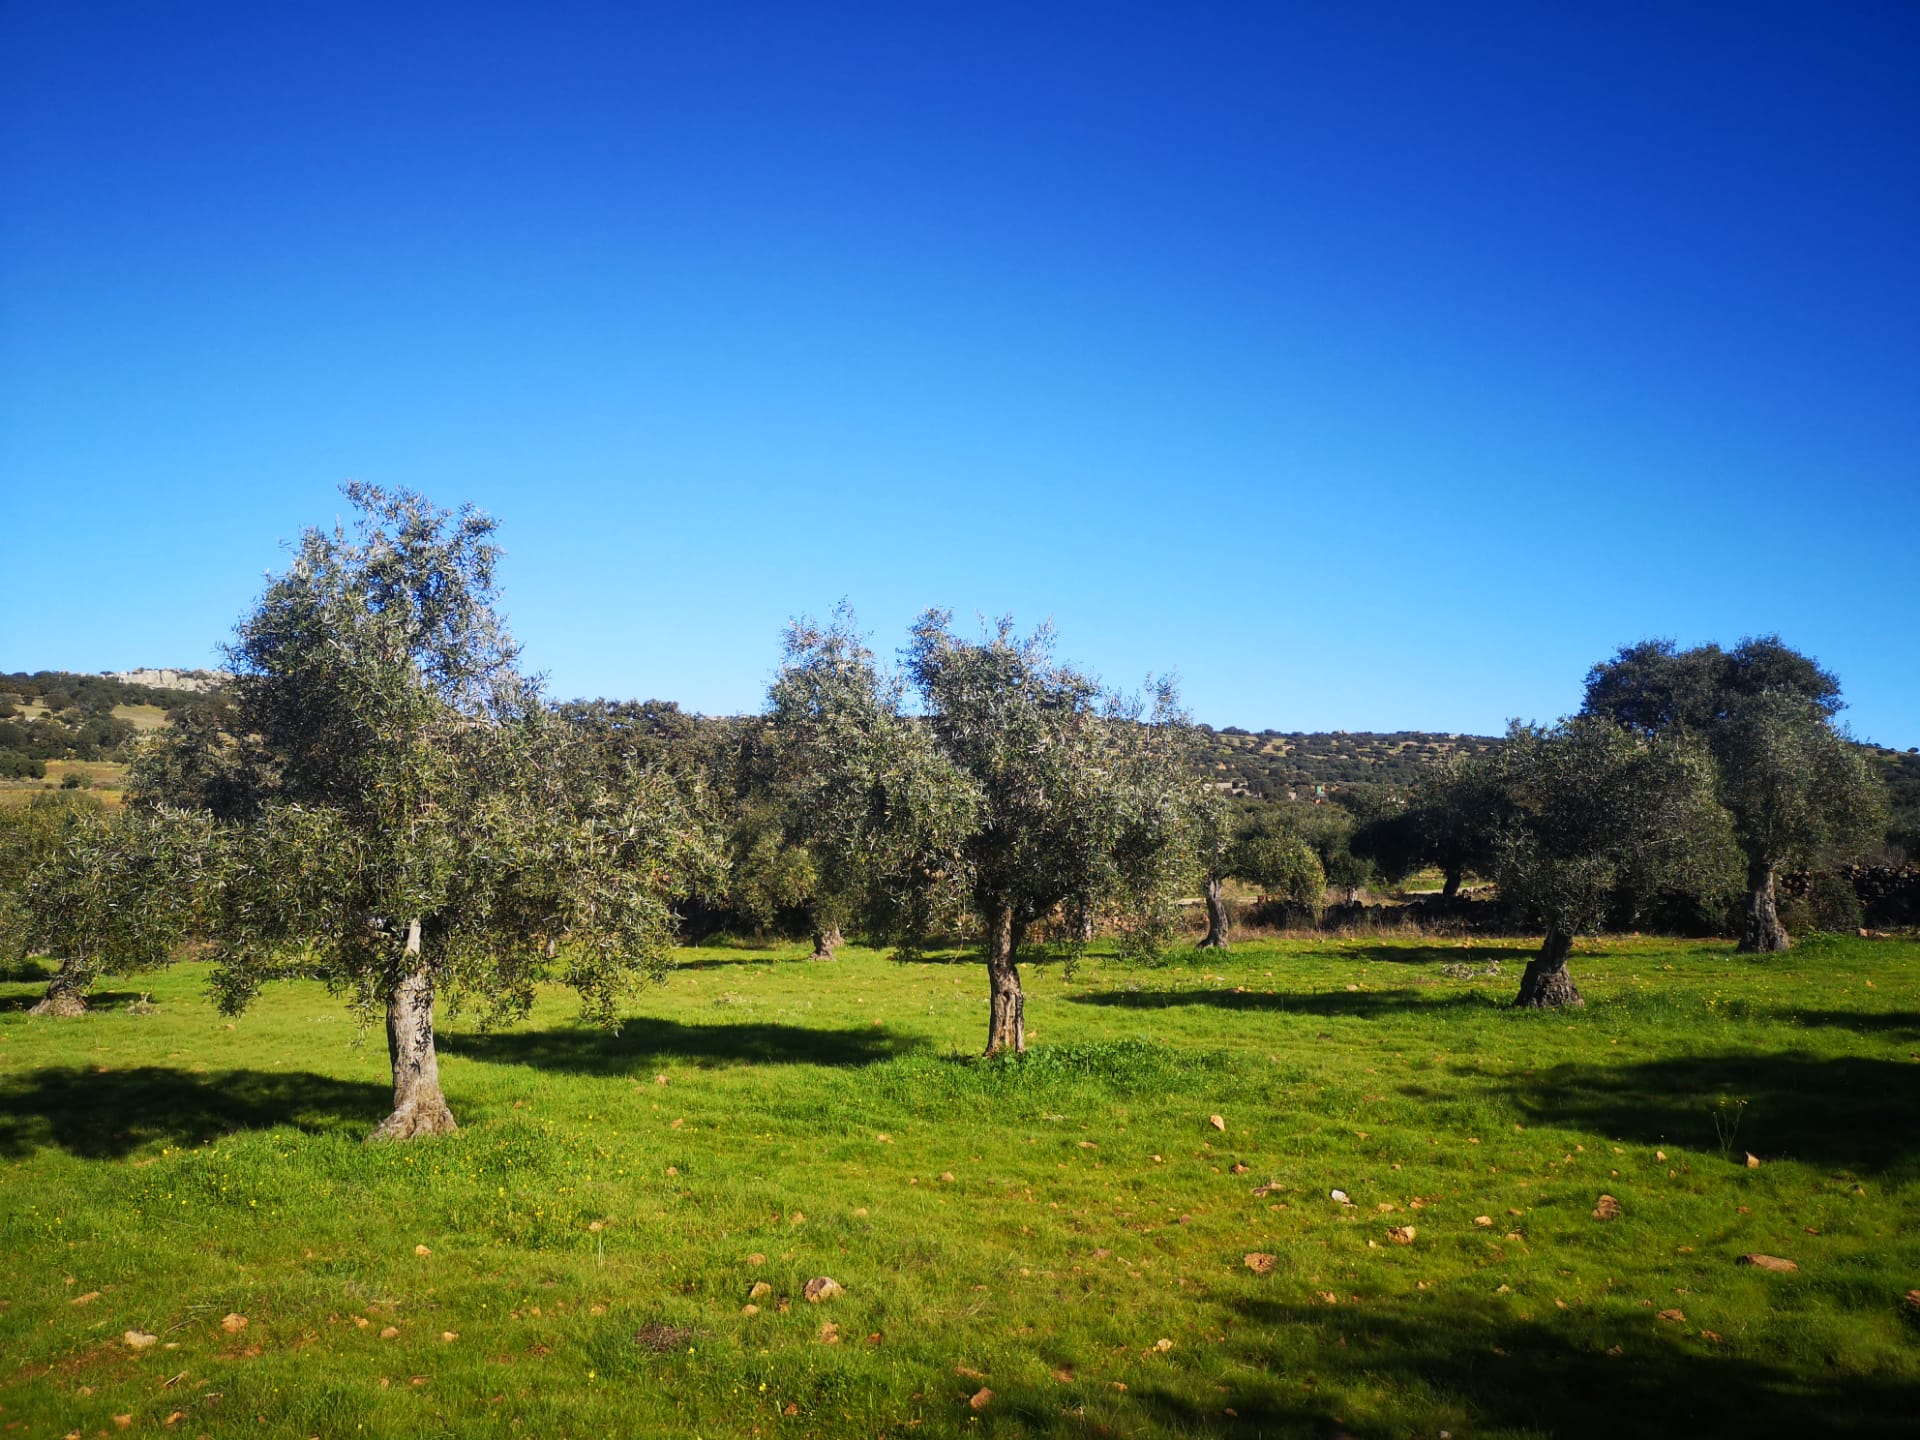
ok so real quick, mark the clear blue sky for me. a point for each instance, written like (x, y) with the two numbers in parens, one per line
(1369, 366)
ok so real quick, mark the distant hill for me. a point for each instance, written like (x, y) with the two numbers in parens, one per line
(1268, 764)
(49, 716)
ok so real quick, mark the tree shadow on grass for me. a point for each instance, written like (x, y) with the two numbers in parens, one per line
(1418, 1365)
(1550, 1374)
(98, 1000)
(1353, 1005)
(1861, 1022)
(107, 1115)
(1443, 954)
(1850, 1111)
(647, 1042)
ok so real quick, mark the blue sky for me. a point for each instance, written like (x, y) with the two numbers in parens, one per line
(1370, 370)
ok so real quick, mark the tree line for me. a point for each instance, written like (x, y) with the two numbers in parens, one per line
(383, 799)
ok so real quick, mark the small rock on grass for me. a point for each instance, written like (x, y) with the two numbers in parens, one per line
(1606, 1208)
(1260, 1262)
(760, 1287)
(234, 1324)
(1753, 1161)
(981, 1398)
(1768, 1262)
(822, 1287)
(1218, 1122)
(1401, 1234)
(138, 1339)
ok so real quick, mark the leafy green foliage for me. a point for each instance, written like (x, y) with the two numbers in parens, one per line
(1083, 796)
(1797, 789)
(877, 808)
(1654, 687)
(104, 892)
(1798, 792)
(409, 773)
(1600, 812)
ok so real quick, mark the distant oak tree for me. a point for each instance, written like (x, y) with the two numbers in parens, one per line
(1797, 788)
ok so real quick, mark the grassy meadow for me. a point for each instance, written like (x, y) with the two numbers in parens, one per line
(1052, 1247)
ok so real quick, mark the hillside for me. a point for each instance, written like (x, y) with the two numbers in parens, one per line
(1270, 763)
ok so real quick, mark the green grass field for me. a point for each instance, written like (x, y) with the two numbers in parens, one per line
(1070, 1233)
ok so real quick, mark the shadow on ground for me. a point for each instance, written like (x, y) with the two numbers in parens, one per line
(1357, 1005)
(1861, 1022)
(1848, 1111)
(1442, 954)
(1496, 1372)
(98, 1000)
(106, 1115)
(648, 1042)
(1387, 1368)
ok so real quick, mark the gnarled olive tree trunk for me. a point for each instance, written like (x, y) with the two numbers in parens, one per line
(1452, 886)
(1761, 932)
(1007, 1020)
(1219, 924)
(418, 1106)
(1546, 983)
(825, 941)
(66, 994)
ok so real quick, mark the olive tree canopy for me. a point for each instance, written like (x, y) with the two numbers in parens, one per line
(871, 807)
(1598, 812)
(1256, 844)
(102, 892)
(422, 824)
(1084, 799)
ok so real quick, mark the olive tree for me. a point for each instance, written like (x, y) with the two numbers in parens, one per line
(422, 822)
(1082, 802)
(872, 811)
(103, 892)
(1799, 793)
(1797, 788)
(1597, 812)
(1256, 846)
(1449, 821)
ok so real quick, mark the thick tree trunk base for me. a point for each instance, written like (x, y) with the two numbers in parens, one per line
(1007, 1019)
(1546, 985)
(423, 1115)
(61, 1004)
(418, 1106)
(825, 942)
(1219, 923)
(1761, 932)
(66, 997)
(1546, 988)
